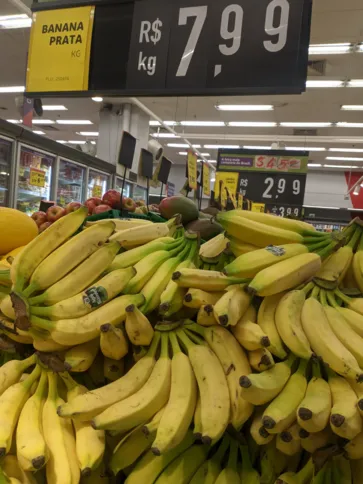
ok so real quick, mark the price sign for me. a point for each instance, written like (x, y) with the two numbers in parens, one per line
(230, 181)
(258, 207)
(284, 210)
(192, 170)
(97, 191)
(206, 180)
(37, 178)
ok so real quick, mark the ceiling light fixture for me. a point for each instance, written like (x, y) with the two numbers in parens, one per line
(305, 125)
(167, 123)
(38, 132)
(360, 48)
(88, 133)
(217, 147)
(343, 158)
(316, 206)
(183, 153)
(355, 83)
(164, 135)
(14, 121)
(244, 107)
(76, 142)
(73, 121)
(55, 107)
(181, 145)
(349, 125)
(43, 121)
(203, 123)
(316, 49)
(321, 83)
(19, 21)
(97, 99)
(253, 124)
(352, 107)
(9, 89)
(257, 147)
(304, 148)
(340, 166)
(347, 150)
(314, 165)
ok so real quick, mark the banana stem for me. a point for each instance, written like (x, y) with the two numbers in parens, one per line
(342, 296)
(315, 292)
(320, 245)
(174, 343)
(308, 287)
(307, 472)
(355, 238)
(154, 345)
(68, 381)
(29, 362)
(194, 337)
(302, 367)
(233, 454)
(316, 368)
(327, 251)
(34, 375)
(331, 299)
(221, 452)
(323, 298)
(42, 323)
(349, 231)
(314, 240)
(360, 244)
(291, 360)
(188, 344)
(52, 386)
(197, 329)
(164, 352)
(246, 459)
(42, 384)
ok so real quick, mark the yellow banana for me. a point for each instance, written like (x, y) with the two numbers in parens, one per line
(210, 281)
(258, 431)
(80, 357)
(311, 442)
(122, 223)
(63, 260)
(357, 266)
(213, 248)
(138, 327)
(354, 319)
(80, 330)
(31, 450)
(210, 470)
(266, 320)
(231, 306)
(179, 411)
(70, 444)
(184, 466)
(135, 236)
(230, 475)
(197, 420)
(205, 316)
(196, 298)
(249, 334)
(142, 405)
(285, 275)
(358, 388)
(145, 269)
(11, 372)
(304, 476)
(11, 404)
(113, 342)
(263, 387)
(14, 472)
(6, 307)
(113, 369)
(239, 248)
(43, 245)
(288, 442)
(261, 359)
(85, 407)
(298, 226)
(8, 327)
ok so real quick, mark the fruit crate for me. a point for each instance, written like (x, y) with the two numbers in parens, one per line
(122, 214)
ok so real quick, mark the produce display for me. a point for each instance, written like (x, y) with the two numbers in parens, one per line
(131, 352)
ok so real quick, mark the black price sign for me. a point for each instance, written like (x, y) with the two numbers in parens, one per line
(284, 210)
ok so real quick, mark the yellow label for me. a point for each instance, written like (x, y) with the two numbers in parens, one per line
(240, 201)
(192, 170)
(258, 207)
(206, 179)
(37, 178)
(97, 191)
(223, 190)
(59, 51)
(230, 181)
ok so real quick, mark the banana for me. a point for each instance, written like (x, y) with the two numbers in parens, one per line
(85, 407)
(261, 359)
(314, 411)
(285, 275)
(70, 444)
(304, 476)
(231, 306)
(230, 475)
(345, 419)
(358, 388)
(342, 472)
(297, 226)
(210, 281)
(183, 468)
(138, 327)
(281, 412)
(8, 327)
(80, 330)
(248, 473)
(210, 470)
(11, 404)
(249, 334)
(122, 223)
(136, 236)
(239, 248)
(261, 388)
(235, 363)
(179, 411)
(152, 426)
(6, 308)
(14, 472)
(324, 342)
(205, 316)
(288, 323)
(357, 471)
(357, 266)
(11, 372)
(354, 448)
(213, 248)
(215, 408)
(288, 442)
(113, 342)
(31, 450)
(311, 442)
(149, 467)
(143, 404)
(266, 320)
(80, 357)
(43, 245)
(113, 369)
(197, 420)
(63, 260)
(196, 298)
(250, 264)
(58, 468)
(257, 430)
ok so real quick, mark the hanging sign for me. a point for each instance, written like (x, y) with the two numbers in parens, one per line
(230, 181)
(258, 207)
(206, 180)
(192, 170)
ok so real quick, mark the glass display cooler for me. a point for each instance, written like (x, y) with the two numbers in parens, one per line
(6, 148)
(127, 187)
(98, 183)
(71, 182)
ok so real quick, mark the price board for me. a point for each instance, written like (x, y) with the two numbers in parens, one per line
(284, 210)
(206, 180)
(97, 191)
(192, 170)
(37, 177)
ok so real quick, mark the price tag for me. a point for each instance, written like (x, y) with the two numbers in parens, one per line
(192, 170)
(97, 191)
(258, 207)
(284, 210)
(230, 181)
(37, 177)
(206, 180)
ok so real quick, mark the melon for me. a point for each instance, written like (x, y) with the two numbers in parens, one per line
(173, 205)
(17, 229)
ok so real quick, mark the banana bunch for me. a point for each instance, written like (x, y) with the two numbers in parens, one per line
(215, 254)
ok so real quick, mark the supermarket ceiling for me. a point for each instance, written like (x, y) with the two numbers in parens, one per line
(327, 120)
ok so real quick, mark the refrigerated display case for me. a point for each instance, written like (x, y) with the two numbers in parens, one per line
(97, 183)
(139, 193)
(71, 182)
(6, 148)
(34, 178)
(127, 187)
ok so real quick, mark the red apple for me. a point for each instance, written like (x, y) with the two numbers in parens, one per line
(101, 209)
(55, 213)
(39, 218)
(73, 206)
(44, 226)
(113, 199)
(128, 204)
(91, 203)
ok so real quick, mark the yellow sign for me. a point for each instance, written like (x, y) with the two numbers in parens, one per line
(37, 178)
(230, 181)
(240, 201)
(232, 197)
(192, 170)
(206, 179)
(258, 207)
(97, 191)
(59, 51)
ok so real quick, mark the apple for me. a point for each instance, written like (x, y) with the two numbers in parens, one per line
(91, 203)
(128, 204)
(140, 203)
(113, 199)
(39, 218)
(73, 206)
(44, 226)
(101, 209)
(55, 213)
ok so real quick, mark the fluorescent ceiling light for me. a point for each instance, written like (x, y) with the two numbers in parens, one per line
(97, 99)
(310, 165)
(248, 124)
(316, 49)
(360, 47)
(62, 142)
(93, 142)
(217, 147)
(257, 147)
(352, 107)
(76, 142)
(165, 135)
(343, 158)
(181, 145)
(347, 150)
(354, 209)
(340, 166)
(183, 153)
(56, 107)
(20, 21)
(14, 121)
(73, 121)
(212, 179)
(15, 89)
(350, 125)
(355, 83)
(304, 148)
(212, 161)
(321, 83)
(206, 154)
(43, 121)
(305, 125)
(315, 206)
(203, 123)
(245, 107)
(168, 123)
(88, 133)
(38, 132)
